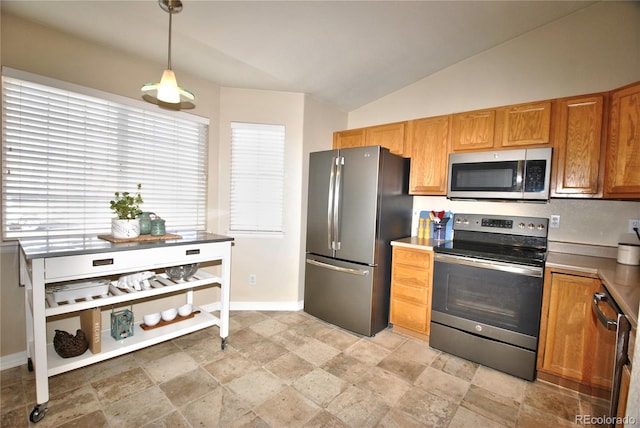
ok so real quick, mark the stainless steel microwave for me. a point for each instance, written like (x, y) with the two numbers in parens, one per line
(521, 174)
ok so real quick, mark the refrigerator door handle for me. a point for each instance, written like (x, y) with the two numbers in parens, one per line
(332, 186)
(338, 268)
(336, 203)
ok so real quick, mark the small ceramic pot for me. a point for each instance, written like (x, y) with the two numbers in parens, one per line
(125, 229)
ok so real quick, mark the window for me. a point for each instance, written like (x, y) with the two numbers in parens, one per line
(257, 178)
(66, 149)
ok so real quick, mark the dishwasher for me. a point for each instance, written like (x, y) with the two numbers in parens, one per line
(615, 323)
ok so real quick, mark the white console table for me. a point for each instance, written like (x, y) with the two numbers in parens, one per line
(49, 261)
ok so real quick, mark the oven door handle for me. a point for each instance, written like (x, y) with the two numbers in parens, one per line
(533, 271)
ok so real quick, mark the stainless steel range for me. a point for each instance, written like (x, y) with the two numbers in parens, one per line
(487, 291)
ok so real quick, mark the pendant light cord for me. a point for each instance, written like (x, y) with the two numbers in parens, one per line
(169, 54)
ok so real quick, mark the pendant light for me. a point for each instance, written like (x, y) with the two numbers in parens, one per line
(167, 93)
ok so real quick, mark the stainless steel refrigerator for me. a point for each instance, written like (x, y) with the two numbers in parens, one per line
(358, 204)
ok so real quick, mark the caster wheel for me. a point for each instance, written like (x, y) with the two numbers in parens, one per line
(37, 414)
(223, 344)
(30, 364)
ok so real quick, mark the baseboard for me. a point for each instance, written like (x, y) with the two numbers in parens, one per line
(20, 358)
(13, 360)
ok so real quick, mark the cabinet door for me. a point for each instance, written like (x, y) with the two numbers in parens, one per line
(578, 146)
(429, 155)
(527, 124)
(348, 138)
(574, 347)
(411, 273)
(622, 176)
(473, 130)
(391, 136)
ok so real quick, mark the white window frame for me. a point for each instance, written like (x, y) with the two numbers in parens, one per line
(256, 202)
(88, 144)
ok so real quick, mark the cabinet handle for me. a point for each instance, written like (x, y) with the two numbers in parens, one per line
(192, 252)
(103, 262)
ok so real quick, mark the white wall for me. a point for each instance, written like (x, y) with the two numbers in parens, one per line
(596, 49)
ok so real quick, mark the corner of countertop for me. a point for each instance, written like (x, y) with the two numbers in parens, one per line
(416, 243)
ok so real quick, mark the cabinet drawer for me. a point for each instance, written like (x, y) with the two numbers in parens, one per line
(411, 316)
(411, 257)
(410, 276)
(409, 292)
(97, 264)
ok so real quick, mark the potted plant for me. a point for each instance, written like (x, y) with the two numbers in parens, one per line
(127, 209)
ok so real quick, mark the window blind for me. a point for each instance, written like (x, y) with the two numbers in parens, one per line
(65, 153)
(257, 177)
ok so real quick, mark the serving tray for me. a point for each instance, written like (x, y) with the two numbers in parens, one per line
(140, 238)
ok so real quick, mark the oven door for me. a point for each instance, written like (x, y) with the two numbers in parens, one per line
(497, 300)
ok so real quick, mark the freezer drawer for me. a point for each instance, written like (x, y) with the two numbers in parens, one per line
(341, 293)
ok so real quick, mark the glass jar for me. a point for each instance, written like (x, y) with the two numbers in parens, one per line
(157, 227)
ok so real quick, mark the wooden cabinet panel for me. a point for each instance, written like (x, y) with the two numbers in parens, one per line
(527, 124)
(624, 394)
(415, 258)
(572, 345)
(348, 138)
(473, 130)
(391, 136)
(410, 293)
(622, 175)
(429, 155)
(410, 316)
(578, 125)
(411, 276)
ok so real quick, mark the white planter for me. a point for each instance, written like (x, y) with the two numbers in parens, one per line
(123, 229)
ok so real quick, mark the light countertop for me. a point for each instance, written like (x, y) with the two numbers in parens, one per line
(416, 243)
(57, 246)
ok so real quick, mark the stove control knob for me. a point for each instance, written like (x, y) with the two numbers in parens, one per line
(458, 220)
(541, 226)
(531, 226)
(521, 225)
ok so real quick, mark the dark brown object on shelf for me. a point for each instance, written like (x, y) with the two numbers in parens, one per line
(67, 345)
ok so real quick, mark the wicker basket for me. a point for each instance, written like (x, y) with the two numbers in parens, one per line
(68, 346)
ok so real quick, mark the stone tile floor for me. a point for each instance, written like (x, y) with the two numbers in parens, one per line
(287, 369)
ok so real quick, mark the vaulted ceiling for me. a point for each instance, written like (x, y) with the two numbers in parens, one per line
(347, 53)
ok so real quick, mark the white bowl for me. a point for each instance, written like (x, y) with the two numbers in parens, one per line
(169, 314)
(185, 310)
(151, 319)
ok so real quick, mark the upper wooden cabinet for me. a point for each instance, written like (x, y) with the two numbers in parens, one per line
(622, 173)
(473, 130)
(391, 136)
(429, 142)
(515, 126)
(348, 138)
(578, 146)
(527, 124)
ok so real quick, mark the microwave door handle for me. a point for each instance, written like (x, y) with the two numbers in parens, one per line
(330, 203)
(520, 176)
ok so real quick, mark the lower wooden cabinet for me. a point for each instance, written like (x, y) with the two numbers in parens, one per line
(573, 351)
(411, 280)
